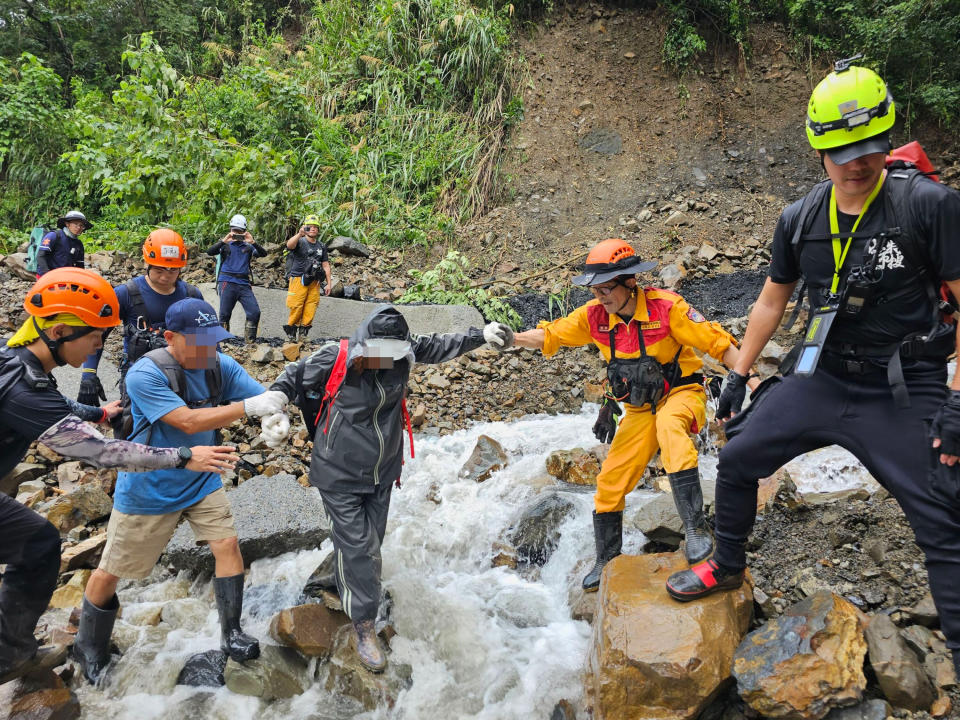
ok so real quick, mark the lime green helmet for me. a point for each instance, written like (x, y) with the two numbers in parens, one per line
(850, 105)
(311, 220)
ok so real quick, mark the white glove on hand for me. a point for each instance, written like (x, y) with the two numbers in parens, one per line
(270, 402)
(275, 429)
(498, 336)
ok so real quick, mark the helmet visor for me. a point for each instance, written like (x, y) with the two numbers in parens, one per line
(846, 153)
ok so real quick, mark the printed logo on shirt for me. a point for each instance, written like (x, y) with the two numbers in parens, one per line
(652, 325)
(695, 316)
(890, 258)
(46, 242)
(603, 328)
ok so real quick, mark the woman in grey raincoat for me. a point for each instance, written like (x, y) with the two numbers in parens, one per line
(358, 444)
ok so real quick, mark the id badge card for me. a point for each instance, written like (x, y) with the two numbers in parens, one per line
(815, 339)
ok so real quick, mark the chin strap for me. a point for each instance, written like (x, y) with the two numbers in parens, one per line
(54, 345)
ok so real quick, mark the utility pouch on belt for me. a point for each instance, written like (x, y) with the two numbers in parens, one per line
(640, 380)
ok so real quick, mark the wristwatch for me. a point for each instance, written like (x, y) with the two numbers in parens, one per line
(184, 454)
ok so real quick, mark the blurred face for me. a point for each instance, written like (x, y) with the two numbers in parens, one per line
(75, 226)
(74, 352)
(614, 296)
(858, 177)
(163, 278)
(193, 351)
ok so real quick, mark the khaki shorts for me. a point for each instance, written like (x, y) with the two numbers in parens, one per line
(135, 542)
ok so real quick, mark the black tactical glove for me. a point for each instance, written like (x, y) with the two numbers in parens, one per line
(91, 390)
(606, 424)
(946, 425)
(731, 395)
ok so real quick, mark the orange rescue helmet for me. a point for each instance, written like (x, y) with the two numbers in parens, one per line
(77, 291)
(164, 248)
(609, 259)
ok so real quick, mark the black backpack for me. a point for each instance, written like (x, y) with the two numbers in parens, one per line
(144, 338)
(174, 374)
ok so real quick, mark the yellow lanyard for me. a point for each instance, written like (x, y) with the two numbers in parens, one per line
(839, 256)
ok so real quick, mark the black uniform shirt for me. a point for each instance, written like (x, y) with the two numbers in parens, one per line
(936, 210)
(26, 413)
(302, 255)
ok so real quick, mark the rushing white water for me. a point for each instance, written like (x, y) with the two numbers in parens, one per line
(483, 642)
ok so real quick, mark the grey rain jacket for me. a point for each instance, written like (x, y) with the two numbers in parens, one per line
(363, 444)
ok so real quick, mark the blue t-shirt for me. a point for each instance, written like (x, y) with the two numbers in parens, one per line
(157, 492)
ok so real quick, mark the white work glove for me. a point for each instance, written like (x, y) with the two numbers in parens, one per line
(266, 403)
(498, 336)
(275, 429)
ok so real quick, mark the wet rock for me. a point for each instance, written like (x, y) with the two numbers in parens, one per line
(185, 613)
(204, 670)
(273, 515)
(536, 534)
(277, 673)
(71, 594)
(83, 554)
(86, 504)
(898, 670)
(652, 657)
(40, 695)
(308, 629)
(583, 605)
(349, 246)
(804, 663)
(564, 709)
(16, 264)
(576, 466)
(488, 457)
(346, 676)
(504, 555)
(869, 710)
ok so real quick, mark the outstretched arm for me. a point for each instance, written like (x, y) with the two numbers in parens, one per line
(433, 349)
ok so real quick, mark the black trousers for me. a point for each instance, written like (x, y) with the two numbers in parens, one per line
(856, 412)
(230, 294)
(30, 548)
(359, 522)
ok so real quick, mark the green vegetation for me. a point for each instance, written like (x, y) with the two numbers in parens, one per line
(385, 118)
(448, 284)
(911, 43)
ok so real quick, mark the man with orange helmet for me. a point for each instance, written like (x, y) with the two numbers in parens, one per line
(647, 336)
(143, 304)
(70, 310)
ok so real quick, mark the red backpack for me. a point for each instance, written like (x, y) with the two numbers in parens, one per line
(332, 389)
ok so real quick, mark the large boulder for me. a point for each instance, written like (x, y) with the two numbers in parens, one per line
(349, 246)
(487, 457)
(898, 669)
(278, 673)
(86, 504)
(273, 515)
(536, 534)
(652, 657)
(309, 629)
(804, 663)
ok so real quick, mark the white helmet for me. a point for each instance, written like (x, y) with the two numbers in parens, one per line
(238, 221)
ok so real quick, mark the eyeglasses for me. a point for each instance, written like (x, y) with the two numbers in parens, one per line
(604, 289)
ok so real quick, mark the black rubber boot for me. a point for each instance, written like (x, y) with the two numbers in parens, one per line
(91, 648)
(250, 331)
(233, 641)
(304, 332)
(608, 536)
(688, 497)
(701, 580)
(368, 646)
(291, 331)
(225, 323)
